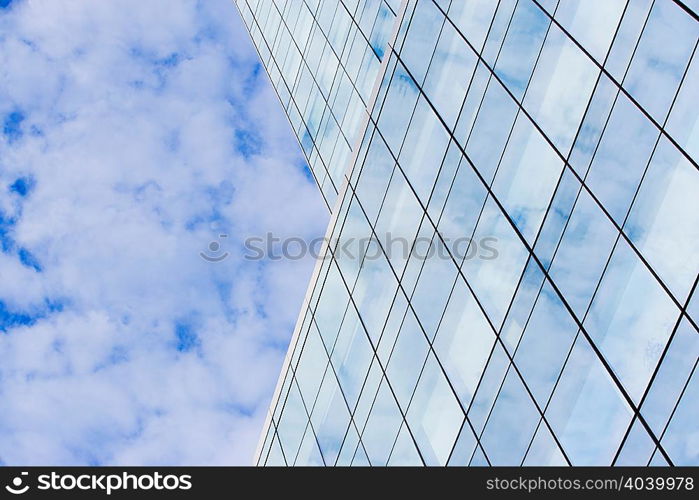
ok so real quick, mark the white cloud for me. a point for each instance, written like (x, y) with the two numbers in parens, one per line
(130, 116)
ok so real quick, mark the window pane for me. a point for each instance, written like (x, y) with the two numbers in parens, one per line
(587, 412)
(560, 88)
(434, 415)
(683, 124)
(621, 158)
(544, 451)
(404, 452)
(527, 177)
(473, 19)
(637, 448)
(664, 220)
(464, 342)
(382, 426)
(511, 425)
(669, 36)
(406, 361)
(630, 320)
(591, 22)
(421, 39)
(681, 436)
(330, 418)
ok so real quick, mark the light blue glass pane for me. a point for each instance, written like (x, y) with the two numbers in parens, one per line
(432, 290)
(331, 306)
(671, 377)
(682, 435)
(511, 424)
(621, 158)
(658, 460)
(471, 104)
(637, 448)
(424, 149)
(382, 426)
(491, 129)
(404, 452)
(360, 458)
(449, 74)
(398, 222)
(591, 22)
(544, 451)
(444, 181)
(309, 454)
(527, 177)
(587, 412)
(292, 424)
(496, 31)
(366, 399)
(374, 293)
(683, 123)
(661, 58)
(488, 388)
(545, 344)
(462, 209)
(382, 30)
(464, 446)
(583, 252)
(593, 125)
(351, 356)
(479, 459)
(421, 39)
(494, 281)
(557, 218)
(349, 250)
(330, 418)
(392, 327)
(630, 320)
(464, 342)
(375, 176)
(398, 108)
(406, 361)
(522, 44)
(275, 457)
(522, 305)
(664, 220)
(312, 364)
(473, 19)
(349, 447)
(693, 307)
(434, 415)
(560, 89)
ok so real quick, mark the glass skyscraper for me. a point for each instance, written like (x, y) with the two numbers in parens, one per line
(523, 177)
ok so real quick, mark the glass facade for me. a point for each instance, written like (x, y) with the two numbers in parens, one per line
(547, 152)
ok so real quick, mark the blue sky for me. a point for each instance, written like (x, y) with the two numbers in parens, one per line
(133, 134)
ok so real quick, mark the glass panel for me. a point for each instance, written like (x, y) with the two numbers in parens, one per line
(449, 74)
(669, 36)
(627, 37)
(521, 47)
(330, 418)
(349, 447)
(407, 359)
(421, 39)
(630, 320)
(488, 387)
(527, 177)
(423, 151)
(587, 412)
(683, 123)
(511, 424)
(680, 440)
(464, 342)
(560, 89)
(275, 457)
(666, 210)
(543, 450)
(375, 176)
(351, 356)
(494, 280)
(382, 427)
(463, 449)
(637, 448)
(522, 305)
(491, 129)
(591, 22)
(309, 454)
(398, 108)
(331, 306)
(373, 294)
(672, 375)
(583, 253)
(292, 423)
(311, 366)
(545, 345)
(473, 19)
(434, 415)
(621, 158)
(404, 452)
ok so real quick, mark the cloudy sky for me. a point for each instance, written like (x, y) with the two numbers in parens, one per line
(132, 135)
